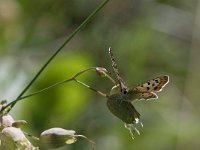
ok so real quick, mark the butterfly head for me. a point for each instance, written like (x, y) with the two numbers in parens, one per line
(124, 91)
(117, 90)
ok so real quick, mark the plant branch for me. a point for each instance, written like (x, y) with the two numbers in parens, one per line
(49, 87)
(73, 78)
(91, 88)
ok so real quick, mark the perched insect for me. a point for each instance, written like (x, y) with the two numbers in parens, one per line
(120, 98)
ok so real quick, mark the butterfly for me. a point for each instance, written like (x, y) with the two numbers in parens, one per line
(120, 98)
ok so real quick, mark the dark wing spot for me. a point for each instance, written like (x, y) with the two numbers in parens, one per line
(156, 81)
(156, 88)
(148, 83)
(153, 84)
(147, 88)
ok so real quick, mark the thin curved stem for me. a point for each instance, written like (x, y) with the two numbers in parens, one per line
(93, 144)
(111, 79)
(49, 87)
(33, 137)
(73, 78)
(91, 88)
(81, 26)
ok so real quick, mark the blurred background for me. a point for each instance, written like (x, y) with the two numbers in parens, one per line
(148, 37)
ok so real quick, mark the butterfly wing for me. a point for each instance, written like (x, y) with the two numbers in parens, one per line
(134, 94)
(121, 82)
(147, 90)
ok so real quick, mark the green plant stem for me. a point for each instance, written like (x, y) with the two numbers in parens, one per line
(93, 144)
(73, 78)
(38, 92)
(111, 79)
(61, 47)
(47, 88)
(33, 137)
(91, 88)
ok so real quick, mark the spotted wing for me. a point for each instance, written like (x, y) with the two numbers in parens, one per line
(116, 71)
(147, 90)
(154, 85)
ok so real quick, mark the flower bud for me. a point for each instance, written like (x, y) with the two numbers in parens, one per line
(101, 71)
(14, 138)
(15, 133)
(19, 123)
(57, 137)
(7, 121)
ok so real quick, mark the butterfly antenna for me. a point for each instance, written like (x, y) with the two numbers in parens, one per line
(115, 68)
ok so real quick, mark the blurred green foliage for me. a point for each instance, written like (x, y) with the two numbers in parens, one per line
(148, 38)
